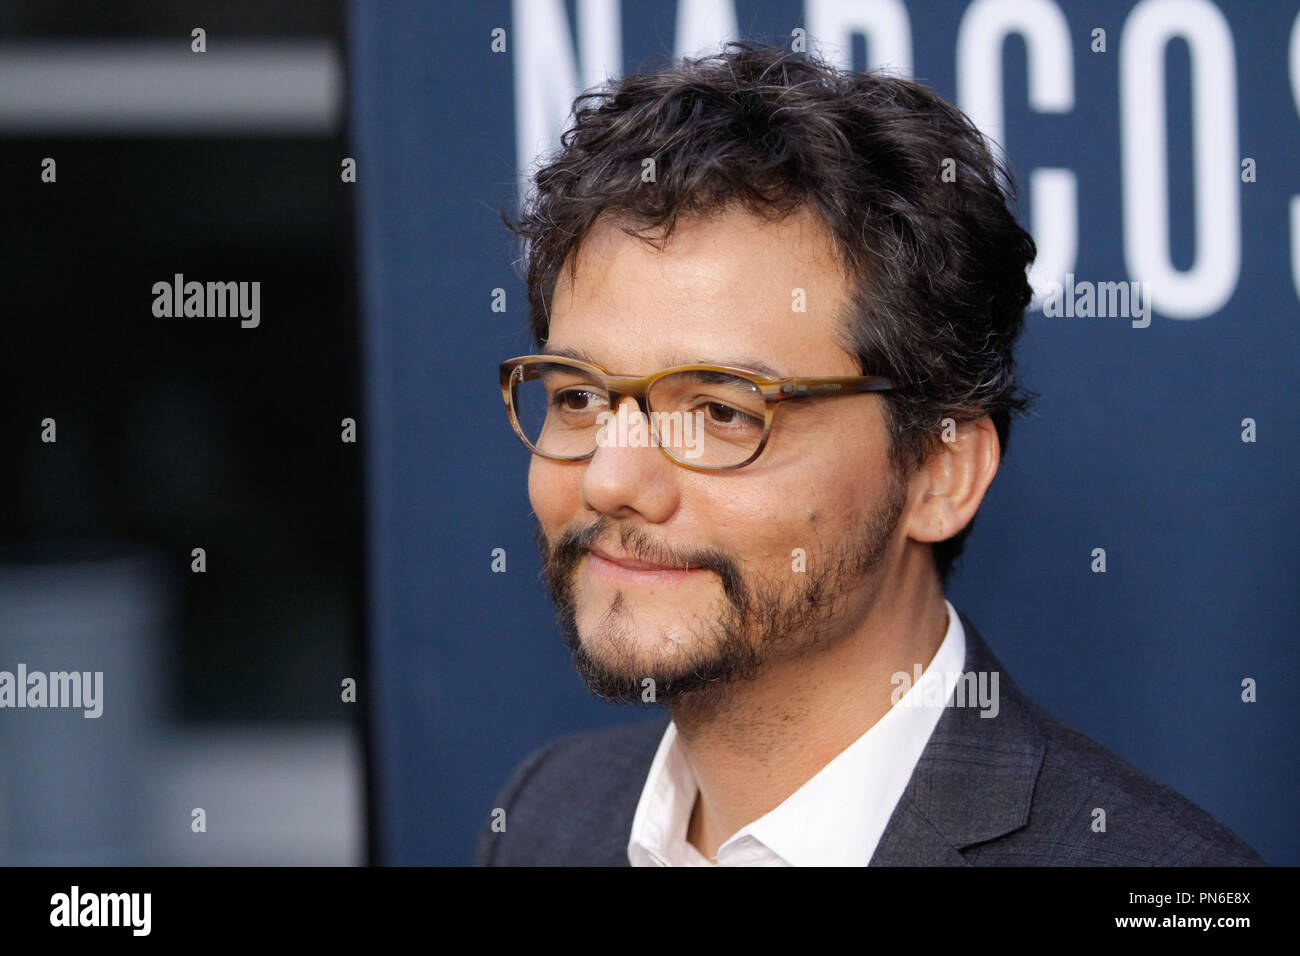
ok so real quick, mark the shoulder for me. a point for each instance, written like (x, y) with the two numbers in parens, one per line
(1077, 803)
(1083, 787)
(571, 801)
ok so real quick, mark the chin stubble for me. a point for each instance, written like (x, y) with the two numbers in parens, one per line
(754, 620)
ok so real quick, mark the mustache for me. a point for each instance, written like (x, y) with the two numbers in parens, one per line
(561, 558)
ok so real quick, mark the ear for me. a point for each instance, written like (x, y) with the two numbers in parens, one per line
(947, 490)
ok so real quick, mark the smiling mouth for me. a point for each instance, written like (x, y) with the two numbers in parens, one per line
(623, 564)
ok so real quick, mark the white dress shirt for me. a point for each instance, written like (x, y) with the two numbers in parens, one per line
(836, 818)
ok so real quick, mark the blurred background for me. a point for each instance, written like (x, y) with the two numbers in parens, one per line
(328, 560)
(222, 689)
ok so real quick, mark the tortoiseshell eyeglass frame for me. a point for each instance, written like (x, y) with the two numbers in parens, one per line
(774, 392)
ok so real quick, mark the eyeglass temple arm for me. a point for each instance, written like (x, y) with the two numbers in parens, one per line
(848, 384)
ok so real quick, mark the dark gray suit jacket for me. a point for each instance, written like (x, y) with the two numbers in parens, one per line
(1017, 789)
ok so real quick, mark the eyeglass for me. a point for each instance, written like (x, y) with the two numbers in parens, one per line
(703, 417)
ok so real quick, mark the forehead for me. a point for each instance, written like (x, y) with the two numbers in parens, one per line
(726, 288)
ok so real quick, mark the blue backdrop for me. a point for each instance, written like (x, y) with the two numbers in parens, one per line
(1137, 446)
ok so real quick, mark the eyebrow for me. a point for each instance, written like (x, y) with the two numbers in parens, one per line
(755, 365)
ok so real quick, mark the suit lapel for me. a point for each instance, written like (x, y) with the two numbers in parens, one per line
(911, 840)
(974, 780)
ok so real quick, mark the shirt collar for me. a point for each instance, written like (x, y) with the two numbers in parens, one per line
(814, 826)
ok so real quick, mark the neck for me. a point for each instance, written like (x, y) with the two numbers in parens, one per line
(756, 742)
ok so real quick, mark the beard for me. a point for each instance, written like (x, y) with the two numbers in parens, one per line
(754, 619)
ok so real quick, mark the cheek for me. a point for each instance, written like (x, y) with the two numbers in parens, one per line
(760, 523)
(812, 501)
(553, 492)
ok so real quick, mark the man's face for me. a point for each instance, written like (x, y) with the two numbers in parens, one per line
(695, 580)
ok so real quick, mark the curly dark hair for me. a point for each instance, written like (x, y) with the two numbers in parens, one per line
(914, 199)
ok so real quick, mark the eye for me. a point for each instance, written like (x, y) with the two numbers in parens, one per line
(575, 400)
(722, 414)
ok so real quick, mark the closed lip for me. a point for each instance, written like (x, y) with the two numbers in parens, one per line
(634, 564)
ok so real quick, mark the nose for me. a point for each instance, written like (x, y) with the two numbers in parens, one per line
(628, 474)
